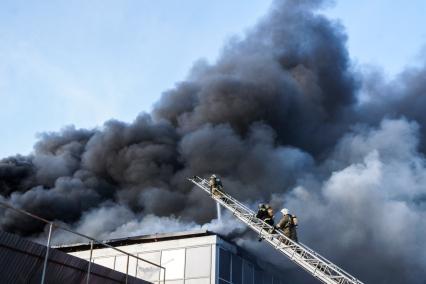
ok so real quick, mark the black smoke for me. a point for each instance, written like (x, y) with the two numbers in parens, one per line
(282, 116)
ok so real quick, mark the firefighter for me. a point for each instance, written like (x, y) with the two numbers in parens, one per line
(269, 218)
(288, 224)
(215, 185)
(266, 214)
(262, 211)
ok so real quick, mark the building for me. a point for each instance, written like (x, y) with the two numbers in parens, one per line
(22, 261)
(197, 257)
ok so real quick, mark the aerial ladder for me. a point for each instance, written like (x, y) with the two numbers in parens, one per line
(311, 261)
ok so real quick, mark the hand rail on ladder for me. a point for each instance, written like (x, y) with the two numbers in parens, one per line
(311, 261)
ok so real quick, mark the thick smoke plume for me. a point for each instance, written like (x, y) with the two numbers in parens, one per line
(280, 117)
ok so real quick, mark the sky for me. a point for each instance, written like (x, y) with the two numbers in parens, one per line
(84, 62)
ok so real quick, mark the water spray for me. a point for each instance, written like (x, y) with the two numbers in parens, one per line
(218, 211)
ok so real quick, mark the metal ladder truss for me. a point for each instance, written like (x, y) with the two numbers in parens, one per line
(311, 261)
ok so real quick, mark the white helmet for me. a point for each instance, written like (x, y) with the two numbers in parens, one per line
(284, 211)
(213, 176)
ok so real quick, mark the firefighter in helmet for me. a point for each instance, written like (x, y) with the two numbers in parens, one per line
(215, 185)
(288, 224)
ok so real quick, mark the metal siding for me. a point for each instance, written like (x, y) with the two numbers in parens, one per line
(21, 261)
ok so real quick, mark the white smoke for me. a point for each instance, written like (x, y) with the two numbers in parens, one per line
(115, 221)
(372, 203)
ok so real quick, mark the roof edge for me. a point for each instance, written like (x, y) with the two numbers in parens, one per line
(135, 240)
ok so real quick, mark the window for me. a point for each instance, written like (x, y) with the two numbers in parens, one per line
(257, 276)
(224, 264)
(198, 262)
(267, 279)
(276, 280)
(237, 269)
(247, 273)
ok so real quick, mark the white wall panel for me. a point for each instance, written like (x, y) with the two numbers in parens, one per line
(147, 271)
(198, 281)
(198, 262)
(174, 262)
(105, 261)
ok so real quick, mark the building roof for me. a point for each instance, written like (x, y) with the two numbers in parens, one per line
(137, 240)
(265, 265)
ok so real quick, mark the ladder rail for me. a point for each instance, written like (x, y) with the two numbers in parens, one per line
(299, 253)
(248, 211)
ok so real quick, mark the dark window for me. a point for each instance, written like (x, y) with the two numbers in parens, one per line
(237, 269)
(247, 272)
(224, 264)
(276, 280)
(257, 276)
(267, 279)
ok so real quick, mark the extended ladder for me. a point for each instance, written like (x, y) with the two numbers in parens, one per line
(311, 261)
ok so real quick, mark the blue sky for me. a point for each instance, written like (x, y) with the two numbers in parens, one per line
(84, 62)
